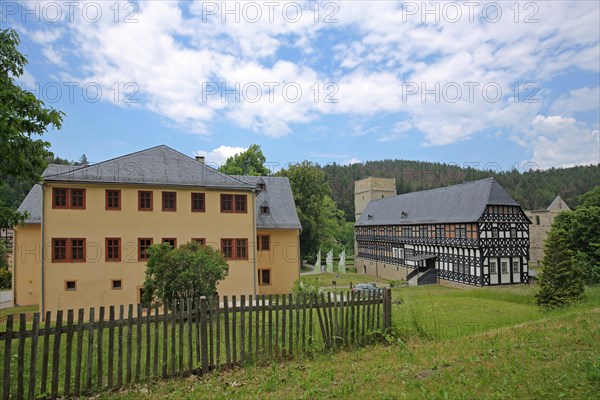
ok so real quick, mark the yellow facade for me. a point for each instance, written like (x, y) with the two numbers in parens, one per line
(94, 277)
(281, 260)
(27, 264)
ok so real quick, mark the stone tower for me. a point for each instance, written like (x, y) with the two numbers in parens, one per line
(370, 189)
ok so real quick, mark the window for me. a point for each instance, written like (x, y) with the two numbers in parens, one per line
(240, 203)
(78, 199)
(227, 248)
(113, 249)
(116, 284)
(59, 250)
(169, 201)
(423, 231)
(200, 241)
(234, 249)
(495, 233)
(77, 250)
(144, 201)
(264, 277)
(262, 186)
(233, 203)
(513, 232)
(226, 203)
(59, 198)
(113, 199)
(263, 242)
(198, 202)
(68, 198)
(143, 244)
(68, 250)
(515, 266)
(504, 267)
(70, 285)
(492, 267)
(264, 210)
(537, 219)
(171, 241)
(241, 249)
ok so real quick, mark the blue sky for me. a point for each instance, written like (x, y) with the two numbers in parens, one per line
(501, 84)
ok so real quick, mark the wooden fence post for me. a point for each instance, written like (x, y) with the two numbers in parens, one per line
(203, 335)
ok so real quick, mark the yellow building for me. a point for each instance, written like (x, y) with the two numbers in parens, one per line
(84, 243)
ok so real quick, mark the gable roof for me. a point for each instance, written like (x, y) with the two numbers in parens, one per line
(33, 205)
(160, 165)
(558, 204)
(459, 203)
(280, 200)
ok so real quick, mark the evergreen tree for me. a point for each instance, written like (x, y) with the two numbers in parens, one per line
(561, 279)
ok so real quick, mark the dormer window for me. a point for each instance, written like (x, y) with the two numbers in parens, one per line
(262, 186)
(403, 214)
(264, 210)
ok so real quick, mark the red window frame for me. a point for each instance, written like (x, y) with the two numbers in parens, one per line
(198, 202)
(241, 249)
(60, 193)
(77, 247)
(166, 198)
(143, 247)
(142, 199)
(113, 196)
(228, 249)
(113, 249)
(227, 203)
(241, 204)
(60, 245)
(263, 242)
(79, 196)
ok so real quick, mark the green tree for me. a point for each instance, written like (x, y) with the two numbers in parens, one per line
(190, 271)
(320, 218)
(561, 279)
(249, 162)
(591, 198)
(22, 117)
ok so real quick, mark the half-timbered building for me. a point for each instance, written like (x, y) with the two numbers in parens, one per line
(474, 233)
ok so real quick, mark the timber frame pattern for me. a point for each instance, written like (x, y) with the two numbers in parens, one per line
(490, 250)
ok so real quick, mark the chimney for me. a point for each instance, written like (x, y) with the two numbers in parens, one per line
(200, 159)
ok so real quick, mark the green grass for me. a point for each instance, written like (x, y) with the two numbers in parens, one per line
(324, 280)
(28, 310)
(492, 343)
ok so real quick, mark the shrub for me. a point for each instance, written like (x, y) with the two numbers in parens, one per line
(305, 289)
(5, 278)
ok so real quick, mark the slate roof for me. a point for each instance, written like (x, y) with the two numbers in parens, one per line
(165, 166)
(33, 205)
(453, 204)
(160, 165)
(280, 200)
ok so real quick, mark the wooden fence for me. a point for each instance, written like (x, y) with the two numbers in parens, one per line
(57, 357)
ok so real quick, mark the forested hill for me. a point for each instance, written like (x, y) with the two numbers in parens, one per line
(533, 189)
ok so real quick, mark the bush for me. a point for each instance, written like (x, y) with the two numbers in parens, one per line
(305, 289)
(5, 278)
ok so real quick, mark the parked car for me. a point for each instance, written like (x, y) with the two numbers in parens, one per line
(366, 287)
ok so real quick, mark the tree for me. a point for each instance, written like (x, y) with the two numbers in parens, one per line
(83, 161)
(591, 198)
(249, 162)
(320, 218)
(189, 271)
(561, 279)
(22, 117)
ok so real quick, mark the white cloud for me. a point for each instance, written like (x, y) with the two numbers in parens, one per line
(371, 53)
(219, 155)
(351, 161)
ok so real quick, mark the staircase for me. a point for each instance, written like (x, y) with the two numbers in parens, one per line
(421, 276)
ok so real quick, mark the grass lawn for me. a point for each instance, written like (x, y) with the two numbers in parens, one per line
(491, 343)
(324, 280)
(29, 310)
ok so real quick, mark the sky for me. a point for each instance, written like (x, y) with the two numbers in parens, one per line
(498, 85)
